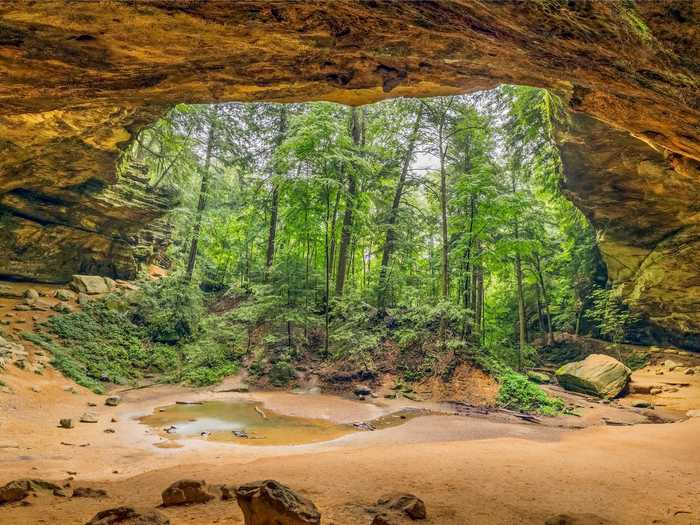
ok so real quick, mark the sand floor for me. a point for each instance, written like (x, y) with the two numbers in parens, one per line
(469, 470)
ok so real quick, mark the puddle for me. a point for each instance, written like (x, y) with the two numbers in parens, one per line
(248, 423)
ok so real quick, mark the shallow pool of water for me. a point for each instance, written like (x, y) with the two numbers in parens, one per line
(248, 423)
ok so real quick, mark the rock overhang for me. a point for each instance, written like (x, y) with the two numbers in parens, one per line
(80, 79)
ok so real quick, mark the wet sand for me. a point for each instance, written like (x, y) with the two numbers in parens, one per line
(469, 470)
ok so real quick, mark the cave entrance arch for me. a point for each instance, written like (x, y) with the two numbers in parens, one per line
(79, 79)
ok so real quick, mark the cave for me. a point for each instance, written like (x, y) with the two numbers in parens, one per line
(81, 79)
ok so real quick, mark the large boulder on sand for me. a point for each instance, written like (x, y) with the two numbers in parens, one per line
(394, 509)
(19, 489)
(271, 503)
(186, 492)
(90, 284)
(129, 516)
(597, 375)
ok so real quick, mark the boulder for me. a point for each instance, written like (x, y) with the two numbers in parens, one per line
(31, 294)
(90, 284)
(362, 390)
(113, 401)
(598, 375)
(88, 417)
(62, 308)
(538, 377)
(64, 295)
(83, 299)
(271, 503)
(186, 492)
(19, 489)
(129, 516)
(403, 504)
(88, 492)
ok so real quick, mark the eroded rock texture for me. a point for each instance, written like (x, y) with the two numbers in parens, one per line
(77, 79)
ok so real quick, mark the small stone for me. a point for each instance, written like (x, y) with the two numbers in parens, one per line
(113, 401)
(88, 492)
(109, 431)
(408, 504)
(129, 516)
(59, 493)
(41, 306)
(186, 492)
(22, 308)
(64, 295)
(62, 308)
(65, 423)
(114, 420)
(31, 293)
(655, 391)
(228, 492)
(362, 390)
(642, 404)
(268, 502)
(690, 372)
(88, 417)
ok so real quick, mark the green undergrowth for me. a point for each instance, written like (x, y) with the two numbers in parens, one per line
(161, 333)
(517, 392)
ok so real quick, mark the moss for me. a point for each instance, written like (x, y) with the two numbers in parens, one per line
(636, 25)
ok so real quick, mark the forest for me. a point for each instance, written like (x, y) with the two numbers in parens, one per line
(436, 227)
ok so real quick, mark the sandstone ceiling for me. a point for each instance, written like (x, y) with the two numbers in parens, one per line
(79, 78)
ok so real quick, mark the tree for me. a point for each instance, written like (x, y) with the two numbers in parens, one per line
(204, 188)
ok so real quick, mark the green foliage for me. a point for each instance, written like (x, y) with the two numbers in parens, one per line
(163, 329)
(519, 393)
(281, 373)
(611, 315)
(487, 201)
(104, 341)
(169, 310)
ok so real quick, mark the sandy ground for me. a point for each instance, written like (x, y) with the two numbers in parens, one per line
(467, 469)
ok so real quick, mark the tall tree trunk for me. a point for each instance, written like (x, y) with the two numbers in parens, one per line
(394, 212)
(326, 298)
(522, 334)
(443, 215)
(545, 298)
(349, 207)
(270, 255)
(336, 205)
(479, 306)
(203, 189)
(469, 269)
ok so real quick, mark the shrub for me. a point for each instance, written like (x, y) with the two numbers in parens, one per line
(169, 310)
(281, 373)
(518, 393)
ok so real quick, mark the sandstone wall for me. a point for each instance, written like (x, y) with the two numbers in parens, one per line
(77, 79)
